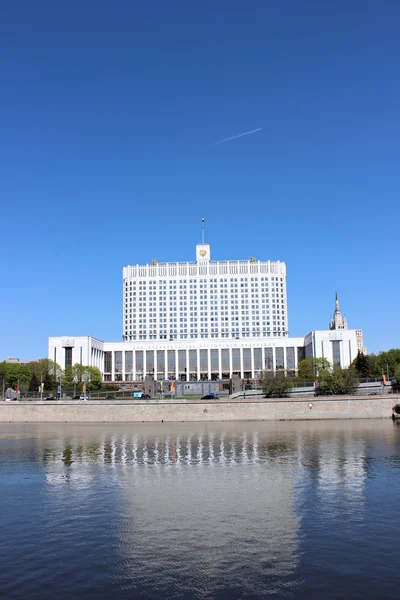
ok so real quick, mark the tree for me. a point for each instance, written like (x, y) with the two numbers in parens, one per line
(95, 380)
(386, 362)
(337, 381)
(49, 382)
(275, 385)
(33, 383)
(310, 367)
(16, 374)
(361, 365)
(68, 376)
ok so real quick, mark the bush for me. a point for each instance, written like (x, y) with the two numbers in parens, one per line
(276, 385)
(337, 381)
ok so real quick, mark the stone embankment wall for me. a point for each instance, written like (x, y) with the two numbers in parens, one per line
(137, 412)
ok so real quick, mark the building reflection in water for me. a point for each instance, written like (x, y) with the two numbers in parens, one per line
(207, 502)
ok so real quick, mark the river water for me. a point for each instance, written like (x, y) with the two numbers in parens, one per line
(227, 510)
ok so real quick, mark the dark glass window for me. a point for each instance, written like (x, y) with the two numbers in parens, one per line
(269, 359)
(150, 362)
(204, 361)
(107, 362)
(246, 359)
(290, 359)
(236, 359)
(258, 359)
(128, 361)
(279, 358)
(336, 352)
(118, 361)
(68, 357)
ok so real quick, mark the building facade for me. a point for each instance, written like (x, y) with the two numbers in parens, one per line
(206, 320)
(195, 360)
(204, 299)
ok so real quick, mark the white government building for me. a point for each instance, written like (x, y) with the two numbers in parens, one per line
(205, 320)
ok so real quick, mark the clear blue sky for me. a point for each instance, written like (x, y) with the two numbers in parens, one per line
(107, 115)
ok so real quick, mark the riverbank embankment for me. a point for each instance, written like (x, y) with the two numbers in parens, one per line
(153, 411)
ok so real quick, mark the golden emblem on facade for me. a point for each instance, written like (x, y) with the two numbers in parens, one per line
(203, 252)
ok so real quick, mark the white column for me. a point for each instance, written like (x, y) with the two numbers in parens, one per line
(241, 363)
(113, 365)
(230, 363)
(209, 363)
(187, 365)
(176, 364)
(273, 359)
(219, 364)
(252, 362)
(123, 366)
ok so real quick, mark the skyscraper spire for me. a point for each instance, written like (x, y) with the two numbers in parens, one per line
(337, 321)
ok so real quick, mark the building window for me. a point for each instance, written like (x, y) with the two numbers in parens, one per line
(160, 364)
(336, 352)
(290, 366)
(269, 359)
(118, 361)
(246, 359)
(279, 357)
(257, 359)
(225, 361)
(107, 362)
(214, 361)
(139, 364)
(68, 357)
(150, 362)
(128, 362)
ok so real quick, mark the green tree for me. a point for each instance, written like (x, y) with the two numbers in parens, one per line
(386, 362)
(95, 380)
(68, 376)
(33, 383)
(337, 381)
(78, 371)
(310, 367)
(49, 382)
(16, 373)
(361, 365)
(276, 385)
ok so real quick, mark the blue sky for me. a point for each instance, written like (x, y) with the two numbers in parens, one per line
(107, 115)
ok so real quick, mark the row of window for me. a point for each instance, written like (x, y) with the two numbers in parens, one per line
(213, 360)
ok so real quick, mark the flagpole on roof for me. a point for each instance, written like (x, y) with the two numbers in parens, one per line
(202, 231)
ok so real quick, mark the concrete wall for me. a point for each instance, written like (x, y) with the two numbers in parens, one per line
(129, 412)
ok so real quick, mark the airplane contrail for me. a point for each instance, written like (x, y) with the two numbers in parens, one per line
(234, 137)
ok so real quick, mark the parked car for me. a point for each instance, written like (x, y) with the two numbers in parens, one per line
(50, 398)
(75, 397)
(146, 396)
(212, 396)
(83, 397)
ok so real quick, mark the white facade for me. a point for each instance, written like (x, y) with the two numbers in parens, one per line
(205, 320)
(337, 346)
(202, 359)
(204, 299)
